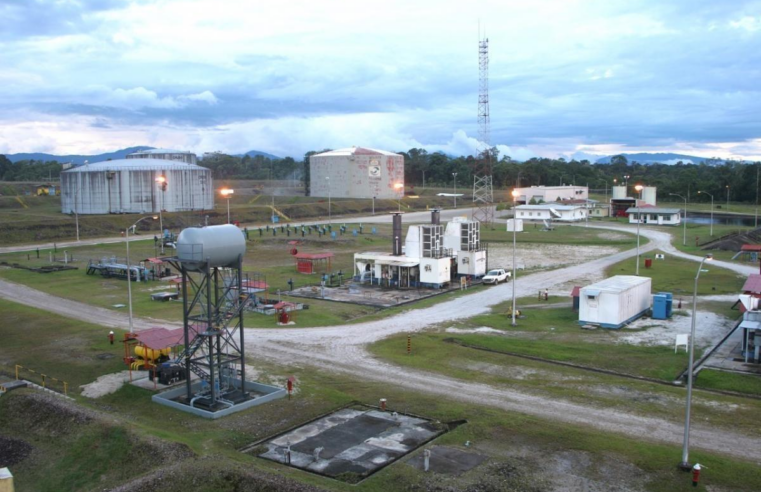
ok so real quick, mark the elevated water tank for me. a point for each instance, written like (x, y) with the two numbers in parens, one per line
(619, 192)
(221, 245)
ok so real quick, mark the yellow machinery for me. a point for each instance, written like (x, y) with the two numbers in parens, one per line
(148, 355)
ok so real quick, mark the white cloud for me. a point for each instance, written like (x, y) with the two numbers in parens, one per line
(747, 23)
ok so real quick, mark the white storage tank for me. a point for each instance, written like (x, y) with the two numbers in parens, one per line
(648, 195)
(129, 186)
(615, 301)
(357, 172)
(619, 192)
(221, 245)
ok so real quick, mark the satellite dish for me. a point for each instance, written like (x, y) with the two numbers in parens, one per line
(555, 214)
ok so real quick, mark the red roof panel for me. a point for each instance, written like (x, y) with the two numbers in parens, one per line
(313, 256)
(160, 338)
(751, 247)
(753, 284)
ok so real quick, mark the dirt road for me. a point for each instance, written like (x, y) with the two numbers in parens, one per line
(342, 349)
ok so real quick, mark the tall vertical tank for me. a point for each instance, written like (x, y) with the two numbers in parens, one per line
(648, 195)
(221, 245)
(397, 234)
(619, 192)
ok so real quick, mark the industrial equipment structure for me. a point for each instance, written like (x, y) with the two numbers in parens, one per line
(463, 238)
(357, 172)
(483, 190)
(210, 262)
(615, 301)
(125, 186)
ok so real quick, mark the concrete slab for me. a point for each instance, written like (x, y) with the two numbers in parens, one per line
(368, 295)
(352, 443)
(447, 460)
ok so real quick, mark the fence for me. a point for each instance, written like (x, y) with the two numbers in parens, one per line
(45, 378)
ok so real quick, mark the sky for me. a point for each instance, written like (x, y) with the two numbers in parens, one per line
(567, 78)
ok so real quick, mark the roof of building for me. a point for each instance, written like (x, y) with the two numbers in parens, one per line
(539, 188)
(354, 151)
(653, 210)
(161, 151)
(161, 338)
(750, 247)
(133, 165)
(313, 256)
(753, 284)
(617, 283)
(547, 206)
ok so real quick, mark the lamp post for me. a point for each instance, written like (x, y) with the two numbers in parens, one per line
(706, 193)
(227, 192)
(129, 272)
(161, 180)
(626, 182)
(455, 189)
(373, 204)
(330, 216)
(684, 238)
(399, 187)
(76, 207)
(685, 465)
(639, 219)
(727, 197)
(515, 226)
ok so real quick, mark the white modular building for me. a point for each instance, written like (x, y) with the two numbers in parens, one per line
(357, 172)
(463, 238)
(654, 215)
(546, 194)
(615, 301)
(552, 211)
(126, 186)
(166, 154)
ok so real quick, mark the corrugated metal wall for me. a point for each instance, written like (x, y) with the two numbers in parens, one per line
(136, 191)
(356, 176)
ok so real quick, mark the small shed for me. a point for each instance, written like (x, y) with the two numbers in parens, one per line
(313, 262)
(615, 301)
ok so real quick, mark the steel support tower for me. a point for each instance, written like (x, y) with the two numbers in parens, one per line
(483, 193)
(213, 302)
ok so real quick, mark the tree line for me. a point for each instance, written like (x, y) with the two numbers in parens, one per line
(437, 169)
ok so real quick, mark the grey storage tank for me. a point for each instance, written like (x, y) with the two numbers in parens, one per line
(221, 245)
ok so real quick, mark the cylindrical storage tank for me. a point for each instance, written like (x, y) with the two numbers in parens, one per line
(648, 195)
(221, 245)
(397, 234)
(619, 192)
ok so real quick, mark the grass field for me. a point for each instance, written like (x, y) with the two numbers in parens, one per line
(127, 444)
(677, 275)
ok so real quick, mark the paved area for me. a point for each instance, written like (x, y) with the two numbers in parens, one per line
(342, 349)
(447, 460)
(353, 440)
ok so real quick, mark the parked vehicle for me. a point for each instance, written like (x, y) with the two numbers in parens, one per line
(496, 276)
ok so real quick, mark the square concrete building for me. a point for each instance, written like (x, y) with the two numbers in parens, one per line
(357, 172)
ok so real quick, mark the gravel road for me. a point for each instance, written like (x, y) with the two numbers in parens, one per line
(342, 349)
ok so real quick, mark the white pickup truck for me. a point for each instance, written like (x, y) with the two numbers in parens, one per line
(496, 276)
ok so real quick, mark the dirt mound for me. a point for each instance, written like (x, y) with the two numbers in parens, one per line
(13, 451)
(40, 414)
(213, 474)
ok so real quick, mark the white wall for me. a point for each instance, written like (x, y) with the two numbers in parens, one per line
(355, 177)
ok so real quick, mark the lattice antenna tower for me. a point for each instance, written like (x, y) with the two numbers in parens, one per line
(483, 192)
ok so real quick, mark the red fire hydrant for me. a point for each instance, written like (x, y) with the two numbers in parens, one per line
(111, 337)
(695, 474)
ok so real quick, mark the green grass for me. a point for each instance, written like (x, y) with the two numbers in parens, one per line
(677, 275)
(58, 347)
(727, 381)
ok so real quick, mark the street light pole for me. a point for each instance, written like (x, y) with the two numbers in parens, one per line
(161, 180)
(330, 216)
(684, 238)
(706, 193)
(515, 226)
(227, 193)
(727, 197)
(455, 189)
(639, 219)
(76, 207)
(129, 271)
(685, 465)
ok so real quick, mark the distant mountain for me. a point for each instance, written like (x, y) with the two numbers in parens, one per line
(662, 158)
(254, 153)
(76, 159)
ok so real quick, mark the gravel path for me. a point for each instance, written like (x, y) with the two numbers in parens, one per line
(342, 349)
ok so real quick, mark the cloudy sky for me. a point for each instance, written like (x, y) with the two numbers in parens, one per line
(567, 77)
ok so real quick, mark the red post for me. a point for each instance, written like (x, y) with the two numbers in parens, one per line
(695, 475)
(409, 345)
(289, 385)
(383, 404)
